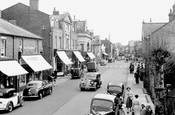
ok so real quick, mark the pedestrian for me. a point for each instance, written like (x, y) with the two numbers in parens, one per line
(143, 109)
(121, 107)
(136, 105)
(148, 110)
(136, 75)
(129, 99)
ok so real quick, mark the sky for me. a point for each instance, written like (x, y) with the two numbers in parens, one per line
(119, 20)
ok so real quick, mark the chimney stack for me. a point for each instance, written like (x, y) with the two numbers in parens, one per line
(55, 12)
(34, 4)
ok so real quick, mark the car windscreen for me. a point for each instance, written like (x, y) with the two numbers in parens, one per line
(33, 85)
(91, 76)
(102, 105)
(114, 88)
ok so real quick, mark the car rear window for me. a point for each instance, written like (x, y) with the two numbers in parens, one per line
(33, 84)
(115, 88)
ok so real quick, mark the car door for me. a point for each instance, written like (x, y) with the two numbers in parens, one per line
(13, 97)
(45, 87)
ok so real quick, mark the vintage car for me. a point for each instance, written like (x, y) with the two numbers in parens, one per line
(102, 104)
(37, 89)
(76, 73)
(92, 66)
(91, 80)
(103, 62)
(9, 99)
(115, 87)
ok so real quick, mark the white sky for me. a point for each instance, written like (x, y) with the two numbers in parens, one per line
(122, 19)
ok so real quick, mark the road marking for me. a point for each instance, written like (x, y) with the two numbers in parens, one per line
(115, 66)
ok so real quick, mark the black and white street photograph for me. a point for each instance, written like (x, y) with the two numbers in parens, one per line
(87, 57)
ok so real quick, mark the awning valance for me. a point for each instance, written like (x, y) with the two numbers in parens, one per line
(64, 58)
(37, 62)
(12, 68)
(91, 55)
(79, 56)
(105, 53)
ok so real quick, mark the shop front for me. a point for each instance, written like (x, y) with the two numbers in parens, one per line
(91, 56)
(105, 55)
(37, 66)
(12, 74)
(78, 59)
(63, 62)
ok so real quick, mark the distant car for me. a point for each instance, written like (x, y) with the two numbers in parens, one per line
(119, 58)
(9, 99)
(76, 73)
(92, 66)
(103, 62)
(110, 60)
(102, 104)
(115, 87)
(91, 80)
(37, 89)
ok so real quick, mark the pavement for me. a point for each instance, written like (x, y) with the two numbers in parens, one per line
(138, 89)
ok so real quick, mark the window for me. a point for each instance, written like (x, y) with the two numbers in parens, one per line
(56, 42)
(67, 41)
(60, 42)
(36, 47)
(21, 45)
(3, 46)
(22, 80)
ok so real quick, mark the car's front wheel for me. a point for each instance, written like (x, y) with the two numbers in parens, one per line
(10, 107)
(40, 95)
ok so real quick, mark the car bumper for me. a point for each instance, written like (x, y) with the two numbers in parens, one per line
(87, 86)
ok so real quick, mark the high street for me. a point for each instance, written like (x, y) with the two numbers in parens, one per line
(67, 99)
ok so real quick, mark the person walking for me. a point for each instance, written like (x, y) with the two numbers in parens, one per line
(129, 99)
(136, 105)
(136, 75)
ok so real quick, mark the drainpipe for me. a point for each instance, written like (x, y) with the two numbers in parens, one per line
(13, 47)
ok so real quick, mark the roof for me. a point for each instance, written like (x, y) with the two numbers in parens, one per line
(62, 17)
(104, 96)
(115, 83)
(10, 29)
(148, 28)
(5, 90)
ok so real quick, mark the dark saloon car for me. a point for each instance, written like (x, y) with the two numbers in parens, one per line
(92, 80)
(37, 89)
(9, 99)
(115, 87)
(76, 73)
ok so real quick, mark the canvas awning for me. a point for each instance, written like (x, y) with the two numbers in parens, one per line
(12, 68)
(105, 53)
(79, 56)
(91, 55)
(64, 58)
(37, 62)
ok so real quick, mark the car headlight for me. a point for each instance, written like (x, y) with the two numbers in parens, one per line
(92, 82)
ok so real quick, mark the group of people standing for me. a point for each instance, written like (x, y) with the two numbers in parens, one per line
(138, 69)
(133, 104)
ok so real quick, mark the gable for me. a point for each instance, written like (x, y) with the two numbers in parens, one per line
(68, 19)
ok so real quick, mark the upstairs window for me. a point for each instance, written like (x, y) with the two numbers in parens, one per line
(3, 46)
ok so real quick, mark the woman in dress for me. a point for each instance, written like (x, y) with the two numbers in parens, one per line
(129, 95)
(136, 105)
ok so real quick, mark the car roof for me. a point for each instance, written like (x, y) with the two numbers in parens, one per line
(104, 96)
(37, 81)
(115, 83)
(6, 90)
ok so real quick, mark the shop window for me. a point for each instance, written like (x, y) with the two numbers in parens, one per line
(3, 46)
(22, 80)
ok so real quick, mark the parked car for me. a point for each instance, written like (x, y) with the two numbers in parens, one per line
(115, 87)
(102, 104)
(9, 99)
(91, 80)
(92, 66)
(76, 73)
(103, 62)
(37, 89)
(110, 60)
